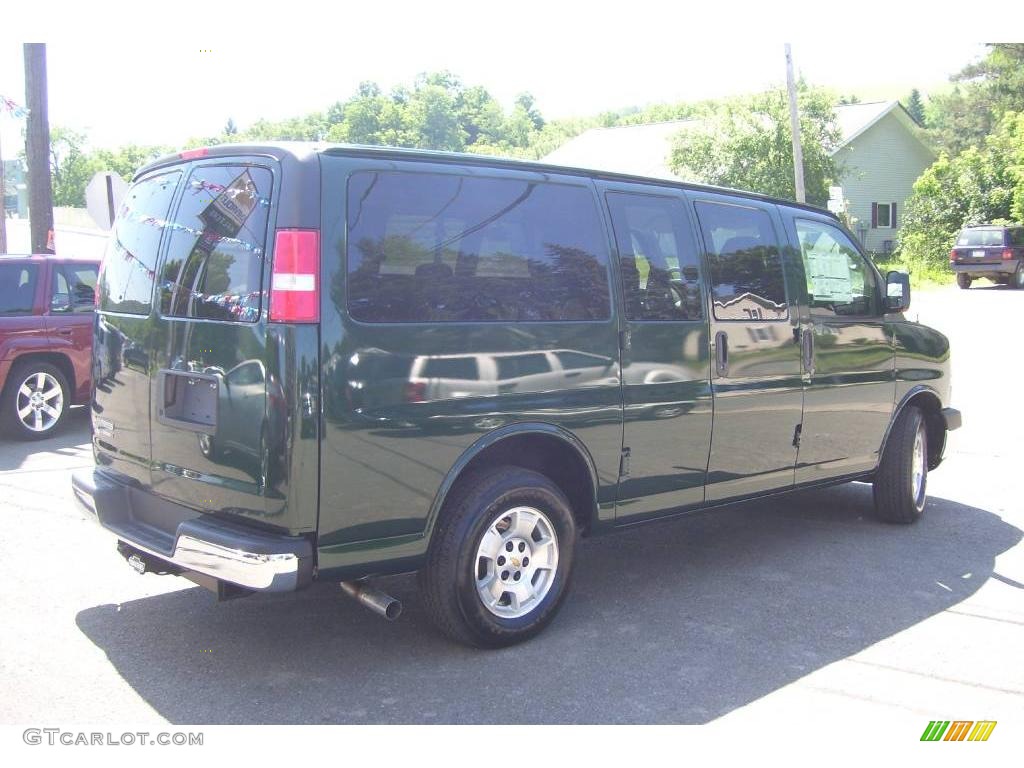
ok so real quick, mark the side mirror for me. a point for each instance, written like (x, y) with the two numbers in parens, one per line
(897, 292)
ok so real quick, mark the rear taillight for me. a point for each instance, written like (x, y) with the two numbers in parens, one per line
(295, 277)
(1007, 254)
(952, 256)
(192, 154)
(415, 391)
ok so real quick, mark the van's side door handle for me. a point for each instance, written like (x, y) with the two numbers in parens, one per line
(807, 349)
(722, 353)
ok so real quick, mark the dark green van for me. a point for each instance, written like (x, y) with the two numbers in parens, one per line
(332, 362)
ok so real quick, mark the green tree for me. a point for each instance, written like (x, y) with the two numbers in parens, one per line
(746, 143)
(230, 129)
(71, 167)
(915, 106)
(430, 115)
(983, 184)
(126, 160)
(984, 92)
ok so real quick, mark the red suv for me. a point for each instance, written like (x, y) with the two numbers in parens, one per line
(46, 315)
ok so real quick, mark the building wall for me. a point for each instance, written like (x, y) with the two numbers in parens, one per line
(881, 166)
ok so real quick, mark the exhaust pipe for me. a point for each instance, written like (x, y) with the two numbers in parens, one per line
(384, 605)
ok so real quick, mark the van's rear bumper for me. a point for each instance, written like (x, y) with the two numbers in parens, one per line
(199, 543)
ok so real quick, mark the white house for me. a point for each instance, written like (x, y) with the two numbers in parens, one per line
(881, 154)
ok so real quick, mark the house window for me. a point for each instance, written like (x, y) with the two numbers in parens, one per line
(883, 215)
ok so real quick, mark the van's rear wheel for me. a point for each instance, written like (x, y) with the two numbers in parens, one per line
(36, 400)
(501, 558)
(964, 281)
(901, 482)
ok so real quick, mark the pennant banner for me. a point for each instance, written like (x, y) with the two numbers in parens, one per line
(13, 109)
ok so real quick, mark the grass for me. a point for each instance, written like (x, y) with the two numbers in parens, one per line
(922, 276)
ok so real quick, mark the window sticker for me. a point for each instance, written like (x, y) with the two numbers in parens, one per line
(829, 275)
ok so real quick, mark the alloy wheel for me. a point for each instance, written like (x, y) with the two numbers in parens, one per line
(40, 402)
(516, 562)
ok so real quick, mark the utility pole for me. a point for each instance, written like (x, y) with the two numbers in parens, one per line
(794, 125)
(37, 149)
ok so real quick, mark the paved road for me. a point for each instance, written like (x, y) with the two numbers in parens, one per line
(802, 605)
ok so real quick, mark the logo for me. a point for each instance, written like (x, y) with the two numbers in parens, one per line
(958, 730)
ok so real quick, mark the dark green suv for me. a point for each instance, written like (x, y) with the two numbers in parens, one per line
(330, 362)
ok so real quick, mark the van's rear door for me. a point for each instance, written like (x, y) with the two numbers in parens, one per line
(221, 403)
(123, 335)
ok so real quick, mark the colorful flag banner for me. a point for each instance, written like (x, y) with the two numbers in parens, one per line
(12, 108)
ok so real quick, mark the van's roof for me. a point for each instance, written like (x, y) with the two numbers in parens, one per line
(302, 150)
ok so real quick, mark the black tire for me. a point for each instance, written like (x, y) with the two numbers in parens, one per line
(23, 374)
(209, 447)
(1017, 281)
(896, 499)
(964, 281)
(448, 580)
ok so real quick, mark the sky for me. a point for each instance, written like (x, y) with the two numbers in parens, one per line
(152, 83)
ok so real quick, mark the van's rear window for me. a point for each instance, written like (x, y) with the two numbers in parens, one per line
(980, 237)
(428, 247)
(129, 264)
(214, 263)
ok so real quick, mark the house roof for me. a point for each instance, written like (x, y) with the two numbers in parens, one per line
(643, 150)
(639, 150)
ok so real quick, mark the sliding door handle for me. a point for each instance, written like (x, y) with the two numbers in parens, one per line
(722, 354)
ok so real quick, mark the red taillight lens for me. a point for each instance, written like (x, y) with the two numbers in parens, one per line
(952, 256)
(415, 391)
(192, 154)
(1007, 254)
(295, 277)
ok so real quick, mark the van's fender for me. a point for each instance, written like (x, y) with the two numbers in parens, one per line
(910, 395)
(496, 436)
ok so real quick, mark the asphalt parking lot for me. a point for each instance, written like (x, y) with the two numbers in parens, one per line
(803, 604)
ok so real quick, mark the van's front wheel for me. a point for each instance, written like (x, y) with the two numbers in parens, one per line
(900, 485)
(501, 558)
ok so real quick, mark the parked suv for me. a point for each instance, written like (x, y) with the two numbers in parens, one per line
(46, 317)
(995, 252)
(459, 365)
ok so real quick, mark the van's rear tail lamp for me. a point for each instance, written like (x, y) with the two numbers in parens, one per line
(295, 277)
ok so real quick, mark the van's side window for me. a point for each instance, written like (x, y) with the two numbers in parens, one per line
(129, 265)
(426, 247)
(660, 278)
(839, 280)
(214, 263)
(747, 281)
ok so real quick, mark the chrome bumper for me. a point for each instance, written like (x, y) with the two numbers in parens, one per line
(199, 543)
